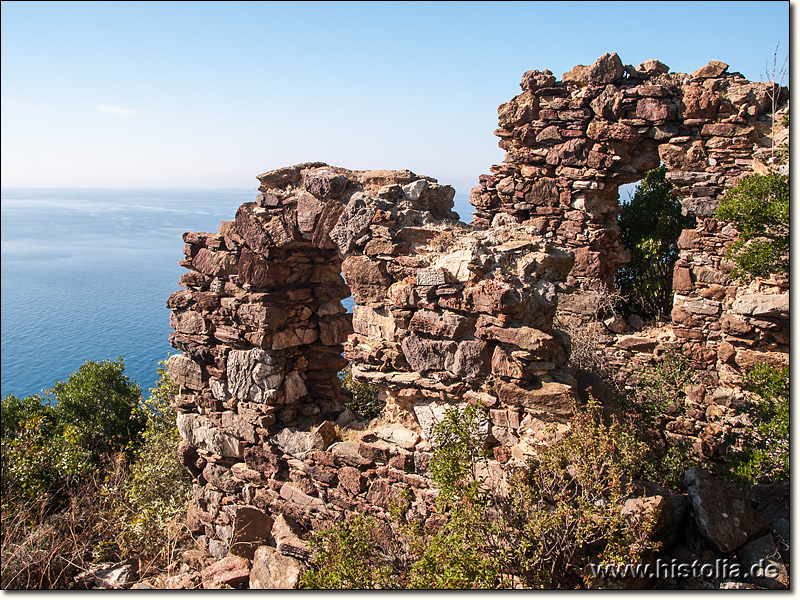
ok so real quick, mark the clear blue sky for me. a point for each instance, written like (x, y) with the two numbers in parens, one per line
(209, 94)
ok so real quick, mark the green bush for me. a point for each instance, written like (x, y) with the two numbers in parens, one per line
(365, 400)
(40, 454)
(70, 495)
(559, 514)
(157, 488)
(759, 208)
(657, 396)
(650, 225)
(347, 557)
(763, 451)
(103, 404)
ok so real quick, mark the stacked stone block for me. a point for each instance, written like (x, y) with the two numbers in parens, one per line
(444, 315)
(570, 144)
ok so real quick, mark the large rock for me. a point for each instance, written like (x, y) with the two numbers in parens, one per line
(274, 571)
(762, 305)
(368, 279)
(605, 69)
(375, 323)
(185, 372)
(547, 397)
(724, 516)
(298, 443)
(425, 355)
(354, 221)
(325, 183)
(215, 264)
(200, 432)
(444, 324)
(762, 560)
(714, 68)
(397, 434)
(230, 572)
(251, 528)
(255, 375)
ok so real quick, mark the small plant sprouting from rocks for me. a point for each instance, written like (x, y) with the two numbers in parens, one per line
(365, 401)
(763, 451)
(559, 513)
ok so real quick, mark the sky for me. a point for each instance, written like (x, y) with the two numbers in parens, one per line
(210, 94)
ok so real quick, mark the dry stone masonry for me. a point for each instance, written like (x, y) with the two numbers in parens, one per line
(445, 313)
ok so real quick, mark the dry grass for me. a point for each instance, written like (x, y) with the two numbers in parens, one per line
(45, 544)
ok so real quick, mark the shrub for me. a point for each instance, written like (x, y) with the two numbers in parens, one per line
(560, 513)
(65, 503)
(759, 208)
(764, 448)
(650, 225)
(40, 454)
(657, 396)
(365, 399)
(157, 490)
(103, 404)
(347, 557)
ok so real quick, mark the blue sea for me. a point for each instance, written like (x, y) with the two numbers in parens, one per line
(86, 274)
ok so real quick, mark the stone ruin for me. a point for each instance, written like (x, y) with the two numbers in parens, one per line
(447, 313)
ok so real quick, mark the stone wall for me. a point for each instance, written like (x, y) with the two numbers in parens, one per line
(443, 315)
(571, 143)
(447, 314)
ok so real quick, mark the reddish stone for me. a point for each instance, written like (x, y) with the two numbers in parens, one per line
(652, 109)
(682, 280)
(351, 480)
(367, 278)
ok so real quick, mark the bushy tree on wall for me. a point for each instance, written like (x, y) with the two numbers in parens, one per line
(650, 225)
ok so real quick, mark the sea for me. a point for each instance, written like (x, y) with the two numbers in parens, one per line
(86, 274)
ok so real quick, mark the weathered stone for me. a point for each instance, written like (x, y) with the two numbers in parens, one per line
(652, 67)
(682, 280)
(724, 516)
(762, 305)
(199, 431)
(302, 500)
(351, 480)
(250, 526)
(185, 372)
(445, 324)
(353, 222)
(230, 572)
(571, 153)
(428, 355)
(367, 279)
(714, 68)
(652, 109)
(273, 571)
(762, 560)
(469, 361)
(608, 105)
(397, 434)
(605, 69)
(747, 358)
(221, 477)
(325, 183)
(215, 264)
(551, 398)
(298, 443)
(698, 103)
(254, 375)
(637, 344)
(382, 493)
(375, 323)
